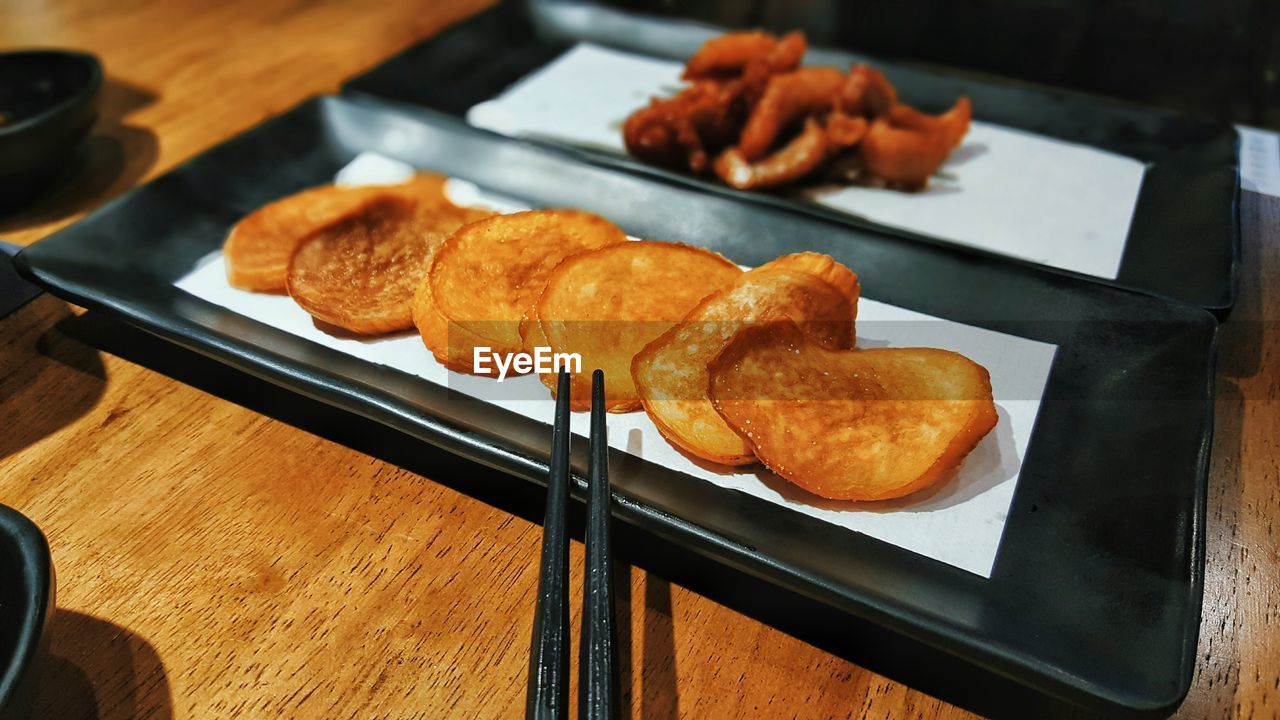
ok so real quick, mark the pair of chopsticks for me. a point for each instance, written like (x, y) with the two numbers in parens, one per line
(548, 695)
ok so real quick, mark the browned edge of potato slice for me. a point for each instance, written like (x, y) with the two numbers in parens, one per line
(259, 247)
(486, 277)
(671, 372)
(361, 273)
(851, 424)
(607, 304)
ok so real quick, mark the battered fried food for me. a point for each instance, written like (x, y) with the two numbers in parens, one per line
(671, 372)
(727, 55)
(867, 92)
(758, 121)
(950, 126)
(788, 98)
(360, 273)
(729, 73)
(804, 154)
(683, 131)
(854, 424)
(905, 147)
(607, 304)
(486, 277)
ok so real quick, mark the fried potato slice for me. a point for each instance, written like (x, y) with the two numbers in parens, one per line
(486, 278)
(451, 343)
(607, 304)
(851, 424)
(360, 273)
(671, 372)
(259, 247)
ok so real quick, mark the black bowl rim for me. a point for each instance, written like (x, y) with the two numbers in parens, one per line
(37, 575)
(81, 96)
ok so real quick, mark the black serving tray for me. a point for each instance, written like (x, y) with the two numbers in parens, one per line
(1094, 598)
(26, 600)
(1184, 238)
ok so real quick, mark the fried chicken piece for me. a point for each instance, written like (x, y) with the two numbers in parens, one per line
(905, 147)
(953, 124)
(787, 99)
(867, 92)
(730, 55)
(682, 131)
(749, 96)
(800, 157)
(844, 131)
(730, 72)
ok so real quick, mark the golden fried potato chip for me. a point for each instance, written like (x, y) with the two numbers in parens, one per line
(259, 247)
(360, 274)
(671, 372)
(851, 424)
(450, 343)
(607, 304)
(486, 278)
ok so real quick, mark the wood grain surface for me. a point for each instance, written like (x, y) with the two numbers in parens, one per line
(223, 554)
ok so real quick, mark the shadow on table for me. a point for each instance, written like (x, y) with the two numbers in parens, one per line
(35, 366)
(95, 670)
(653, 656)
(659, 699)
(899, 658)
(114, 157)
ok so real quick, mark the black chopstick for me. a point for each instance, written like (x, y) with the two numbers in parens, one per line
(548, 694)
(549, 658)
(597, 681)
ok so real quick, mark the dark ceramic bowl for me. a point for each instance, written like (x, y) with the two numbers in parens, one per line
(26, 600)
(48, 102)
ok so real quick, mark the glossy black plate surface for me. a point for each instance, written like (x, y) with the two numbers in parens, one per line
(1184, 238)
(1095, 593)
(26, 600)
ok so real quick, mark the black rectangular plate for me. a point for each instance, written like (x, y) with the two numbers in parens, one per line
(1184, 239)
(26, 602)
(1095, 593)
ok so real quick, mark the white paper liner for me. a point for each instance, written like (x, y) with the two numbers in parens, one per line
(1259, 160)
(1010, 192)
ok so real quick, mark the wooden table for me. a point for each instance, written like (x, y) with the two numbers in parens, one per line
(215, 562)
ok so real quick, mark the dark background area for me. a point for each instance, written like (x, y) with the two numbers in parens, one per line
(1216, 58)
